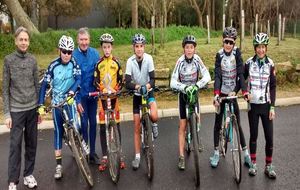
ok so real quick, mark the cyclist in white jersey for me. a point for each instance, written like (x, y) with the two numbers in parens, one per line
(140, 76)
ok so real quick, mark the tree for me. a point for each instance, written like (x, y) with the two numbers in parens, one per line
(198, 10)
(134, 13)
(20, 16)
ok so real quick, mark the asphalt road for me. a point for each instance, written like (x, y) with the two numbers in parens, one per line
(167, 176)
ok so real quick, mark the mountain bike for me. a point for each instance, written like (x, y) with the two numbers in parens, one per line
(229, 133)
(72, 137)
(193, 141)
(146, 133)
(112, 134)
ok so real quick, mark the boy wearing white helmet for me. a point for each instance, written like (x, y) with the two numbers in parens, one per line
(64, 75)
(140, 76)
(108, 66)
(260, 72)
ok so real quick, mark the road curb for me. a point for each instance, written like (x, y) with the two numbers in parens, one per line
(173, 112)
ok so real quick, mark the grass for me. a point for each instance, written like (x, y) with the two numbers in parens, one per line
(289, 50)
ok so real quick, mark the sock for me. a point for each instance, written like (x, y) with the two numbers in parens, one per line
(216, 152)
(138, 156)
(246, 152)
(58, 160)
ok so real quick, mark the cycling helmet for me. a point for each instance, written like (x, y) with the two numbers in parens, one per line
(230, 32)
(261, 38)
(66, 43)
(189, 39)
(106, 38)
(138, 39)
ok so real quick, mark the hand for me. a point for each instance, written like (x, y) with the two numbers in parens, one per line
(8, 123)
(80, 108)
(40, 119)
(231, 94)
(41, 110)
(246, 96)
(216, 100)
(70, 100)
(143, 90)
(191, 89)
(272, 113)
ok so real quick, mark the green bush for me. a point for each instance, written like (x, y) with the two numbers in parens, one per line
(47, 42)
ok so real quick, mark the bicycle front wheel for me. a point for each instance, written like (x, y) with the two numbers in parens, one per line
(148, 145)
(193, 127)
(80, 158)
(236, 150)
(223, 141)
(114, 152)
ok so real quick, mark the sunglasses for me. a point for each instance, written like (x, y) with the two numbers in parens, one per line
(66, 52)
(228, 42)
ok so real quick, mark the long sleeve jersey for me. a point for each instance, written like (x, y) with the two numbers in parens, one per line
(229, 70)
(63, 78)
(188, 71)
(261, 78)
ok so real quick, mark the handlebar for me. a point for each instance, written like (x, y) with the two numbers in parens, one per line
(105, 95)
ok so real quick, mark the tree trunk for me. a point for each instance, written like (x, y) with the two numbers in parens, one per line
(213, 15)
(44, 13)
(134, 13)
(20, 16)
(165, 14)
(34, 16)
(198, 12)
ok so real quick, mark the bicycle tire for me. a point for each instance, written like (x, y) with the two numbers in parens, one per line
(80, 158)
(193, 127)
(236, 150)
(223, 141)
(114, 152)
(148, 146)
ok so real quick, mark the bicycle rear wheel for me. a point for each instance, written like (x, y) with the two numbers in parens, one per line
(193, 127)
(114, 149)
(236, 150)
(148, 146)
(80, 158)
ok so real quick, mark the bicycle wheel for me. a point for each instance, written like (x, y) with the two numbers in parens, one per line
(80, 158)
(193, 127)
(223, 141)
(148, 146)
(236, 150)
(113, 151)
(188, 140)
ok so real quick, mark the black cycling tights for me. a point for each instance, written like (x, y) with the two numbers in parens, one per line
(103, 138)
(218, 124)
(262, 111)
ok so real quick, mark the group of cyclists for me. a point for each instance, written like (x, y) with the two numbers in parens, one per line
(78, 71)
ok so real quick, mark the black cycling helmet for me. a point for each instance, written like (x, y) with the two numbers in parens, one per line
(230, 32)
(189, 39)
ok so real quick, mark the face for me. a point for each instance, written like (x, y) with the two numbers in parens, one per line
(228, 44)
(22, 41)
(261, 51)
(83, 41)
(106, 48)
(139, 50)
(189, 50)
(65, 55)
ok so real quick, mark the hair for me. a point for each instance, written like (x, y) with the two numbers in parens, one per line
(83, 30)
(21, 29)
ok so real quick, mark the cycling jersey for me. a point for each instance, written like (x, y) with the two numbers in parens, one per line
(229, 72)
(108, 66)
(188, 71)
(63, 78)
(261, 81)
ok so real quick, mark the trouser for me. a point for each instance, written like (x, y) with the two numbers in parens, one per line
(218, 123)
(89, 121)
(260, 111)
(22, 122)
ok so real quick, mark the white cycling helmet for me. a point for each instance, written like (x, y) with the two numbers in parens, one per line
(106, 38)
(138, 39)
(66, 43)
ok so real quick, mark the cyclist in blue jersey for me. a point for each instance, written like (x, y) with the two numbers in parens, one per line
(64, 75)
(87, 58)
(186, 78)
(140, 76)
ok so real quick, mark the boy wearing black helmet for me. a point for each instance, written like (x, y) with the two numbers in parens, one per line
(185, 78)
(228, 80)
